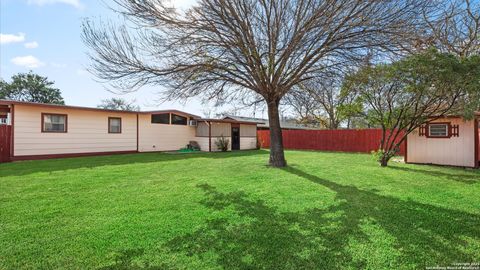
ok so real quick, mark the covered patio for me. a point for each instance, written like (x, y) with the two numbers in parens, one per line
(241, 134)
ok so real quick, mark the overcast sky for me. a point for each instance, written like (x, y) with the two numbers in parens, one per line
(44, 36)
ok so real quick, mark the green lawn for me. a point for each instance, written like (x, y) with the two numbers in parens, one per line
(231, 211)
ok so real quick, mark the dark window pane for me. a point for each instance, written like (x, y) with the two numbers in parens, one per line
(179, 120)
(162, 118)
(115, 125)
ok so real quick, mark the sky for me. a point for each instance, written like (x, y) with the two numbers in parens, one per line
(45, 36)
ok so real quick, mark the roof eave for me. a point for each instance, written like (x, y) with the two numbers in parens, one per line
(57, 106)
(228, 121)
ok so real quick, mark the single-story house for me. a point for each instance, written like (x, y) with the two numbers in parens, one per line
(263, 124)
(48, 131)
(450, 141)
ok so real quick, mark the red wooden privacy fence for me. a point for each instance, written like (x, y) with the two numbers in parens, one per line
(5, 143)
(345, 140)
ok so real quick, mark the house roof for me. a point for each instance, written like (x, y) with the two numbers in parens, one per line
(477, 113)
(263, 123)
(196, 117)
(14, 102)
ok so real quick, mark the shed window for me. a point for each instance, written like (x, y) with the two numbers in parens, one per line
(179, 120)
(54, 123)
(438, 130)
(3, 119)
(161, 118)
(114, 125)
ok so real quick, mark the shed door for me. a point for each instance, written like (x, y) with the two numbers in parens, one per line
(478, 144)
(5, 136)
(235, 138)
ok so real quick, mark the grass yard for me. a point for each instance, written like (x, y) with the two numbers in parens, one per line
(230, 211)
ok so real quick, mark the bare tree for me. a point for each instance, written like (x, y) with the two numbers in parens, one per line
(455, 27)
(233, 49)
(326, 92)
(306, 110)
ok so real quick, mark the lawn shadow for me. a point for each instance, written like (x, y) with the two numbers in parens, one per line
(125, 260)
(52, 165)
(265, 238)
(459, 176)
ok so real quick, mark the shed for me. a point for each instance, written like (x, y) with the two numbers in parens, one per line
(451, 141)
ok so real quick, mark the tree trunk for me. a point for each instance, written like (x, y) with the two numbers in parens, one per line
(277, 157)
(332, 121)
(384, 160)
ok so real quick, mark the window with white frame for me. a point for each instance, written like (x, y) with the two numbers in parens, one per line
(114, 125)
(438, 130)
(3, 120)
(55, 123)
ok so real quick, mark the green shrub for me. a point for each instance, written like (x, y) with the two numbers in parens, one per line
(259, 144)
(222, 144)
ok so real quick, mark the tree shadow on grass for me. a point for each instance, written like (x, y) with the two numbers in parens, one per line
(125, 260)
(262, 237)
(52, 165)
(459, 175)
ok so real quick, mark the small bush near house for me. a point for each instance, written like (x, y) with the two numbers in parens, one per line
(222, 143)
(193, 145)
(259, 144)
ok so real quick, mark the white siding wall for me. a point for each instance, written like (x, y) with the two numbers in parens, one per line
(87, 132)
(163, 137)
(203, 142)
(248, 143)
(454, 151)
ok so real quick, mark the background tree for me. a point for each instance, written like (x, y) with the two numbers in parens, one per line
(306, 110)
(3, 92)
(323, 98)
(31, 87)
(235, 49)
(402, 96)
(119, 104)
(455, 29)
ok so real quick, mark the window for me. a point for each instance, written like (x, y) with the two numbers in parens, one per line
(179, 120)
(438, 130)
(161, 118)
(114, 125)
(55, 123)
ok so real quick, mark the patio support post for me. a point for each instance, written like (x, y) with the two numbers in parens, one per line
(12, 128)
(209, 136)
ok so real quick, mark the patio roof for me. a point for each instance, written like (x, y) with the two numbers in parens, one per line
(228, 121)
(263, 123)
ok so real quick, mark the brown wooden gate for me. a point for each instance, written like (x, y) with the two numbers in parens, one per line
(5, 142)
